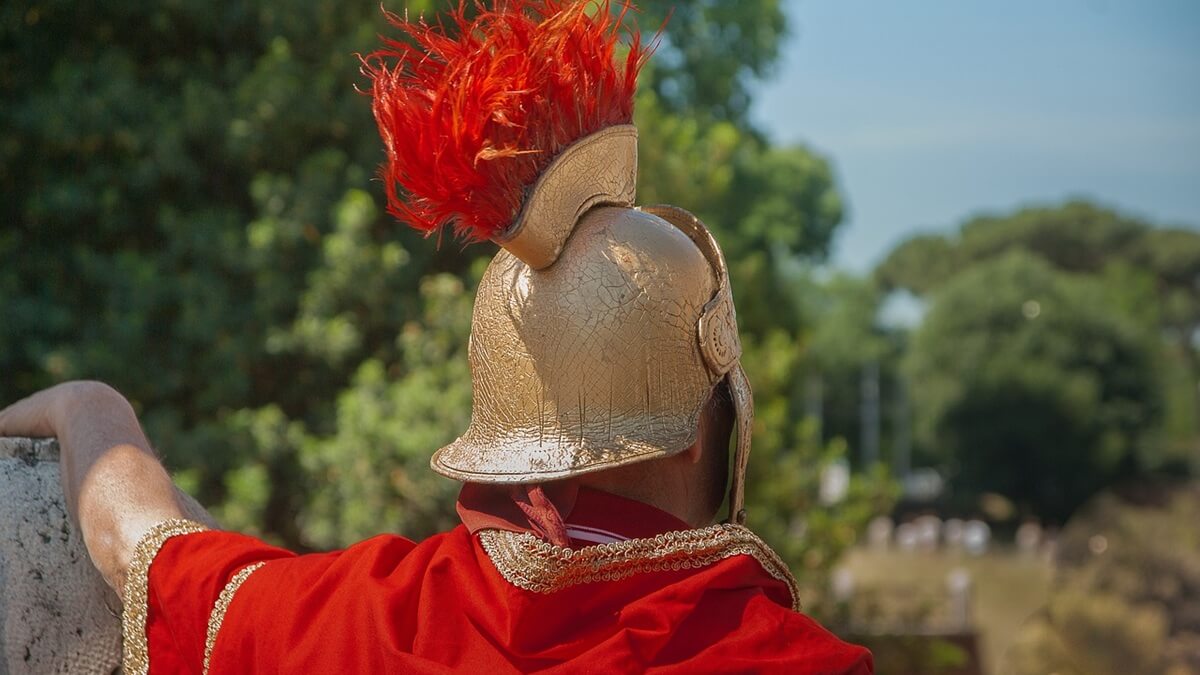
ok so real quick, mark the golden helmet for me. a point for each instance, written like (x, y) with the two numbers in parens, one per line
(600, 329)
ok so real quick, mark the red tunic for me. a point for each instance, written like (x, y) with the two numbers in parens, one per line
(491, 602)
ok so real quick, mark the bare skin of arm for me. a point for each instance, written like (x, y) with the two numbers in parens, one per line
(116, 489)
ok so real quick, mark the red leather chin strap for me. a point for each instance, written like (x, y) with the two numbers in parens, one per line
(543, 516)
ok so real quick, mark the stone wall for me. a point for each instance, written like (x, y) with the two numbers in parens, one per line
(56, 613)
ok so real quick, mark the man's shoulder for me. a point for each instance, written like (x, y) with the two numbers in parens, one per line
(821, 646)
(396, 554)
(397, 547)
(795, 642)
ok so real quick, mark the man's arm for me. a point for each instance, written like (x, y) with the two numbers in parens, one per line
(115, 488)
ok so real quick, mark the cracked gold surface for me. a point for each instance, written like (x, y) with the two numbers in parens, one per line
(591, 363)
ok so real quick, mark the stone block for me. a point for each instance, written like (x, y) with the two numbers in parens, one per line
(56, 613)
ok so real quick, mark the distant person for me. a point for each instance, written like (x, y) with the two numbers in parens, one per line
(605, 365)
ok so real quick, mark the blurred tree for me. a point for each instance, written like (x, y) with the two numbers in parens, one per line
(784, 479)
(1076, 237)
(846, 341)
(919, 264)
(1031, 385)
(713, 52)
(1151, 276)
(375, 467)
(1082, 238)
(1173, 255)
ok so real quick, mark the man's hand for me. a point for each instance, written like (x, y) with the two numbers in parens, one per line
(34, 416)
(115, 488)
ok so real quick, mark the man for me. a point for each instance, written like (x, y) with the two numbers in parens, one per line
(604, 358)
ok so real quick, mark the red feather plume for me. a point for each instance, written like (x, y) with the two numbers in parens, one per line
(471, 116)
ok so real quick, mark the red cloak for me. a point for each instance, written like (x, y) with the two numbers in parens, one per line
(625, 598)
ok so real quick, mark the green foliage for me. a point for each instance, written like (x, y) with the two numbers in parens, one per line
(1075, 237)
(1127, 597)
(1159, 267)
(374, 468)
(846, 338)
(713, 52)
(1031, 385)
(784, 477)
(1105, 373)
(846, 333)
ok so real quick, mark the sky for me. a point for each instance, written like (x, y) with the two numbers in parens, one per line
(934, 110)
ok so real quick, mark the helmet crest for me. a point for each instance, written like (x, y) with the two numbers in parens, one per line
(471, 115)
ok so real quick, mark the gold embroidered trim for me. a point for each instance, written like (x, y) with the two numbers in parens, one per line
(535, 565)
(137, 597)
(222, 606)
